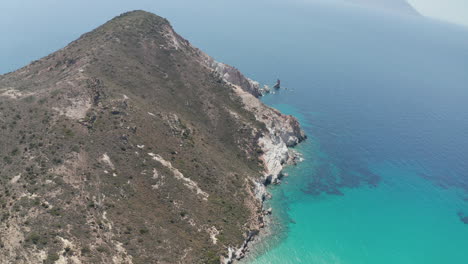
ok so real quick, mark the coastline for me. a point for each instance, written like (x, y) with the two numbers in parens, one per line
(278, 153)
(277, 148)
(166, 165)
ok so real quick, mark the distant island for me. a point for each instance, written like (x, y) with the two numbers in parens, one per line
(132, 146)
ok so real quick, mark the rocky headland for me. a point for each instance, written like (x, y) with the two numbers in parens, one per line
(132, 146)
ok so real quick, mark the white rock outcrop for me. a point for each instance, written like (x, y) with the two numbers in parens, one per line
(192, 185)
(283, 132)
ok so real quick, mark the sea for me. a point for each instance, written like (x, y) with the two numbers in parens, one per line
(383, 98)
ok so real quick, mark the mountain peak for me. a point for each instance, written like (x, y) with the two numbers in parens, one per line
(138, 19)
(136, 23)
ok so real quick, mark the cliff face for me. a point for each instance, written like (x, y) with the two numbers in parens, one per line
(131, 146)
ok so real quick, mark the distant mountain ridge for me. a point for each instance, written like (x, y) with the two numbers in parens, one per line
(397, 6)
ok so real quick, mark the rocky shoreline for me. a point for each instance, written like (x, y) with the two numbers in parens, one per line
(284, 133)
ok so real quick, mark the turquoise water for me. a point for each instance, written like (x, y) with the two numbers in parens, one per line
(385, 177)
(405, 219)
(383, 99)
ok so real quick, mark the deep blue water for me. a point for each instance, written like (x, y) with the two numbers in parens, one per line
(386, 177)
(382, 97)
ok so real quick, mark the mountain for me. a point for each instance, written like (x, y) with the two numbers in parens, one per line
(396, 6)
(132, 146)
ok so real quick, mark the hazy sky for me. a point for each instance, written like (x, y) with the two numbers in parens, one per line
(455, 11)
(30, 29)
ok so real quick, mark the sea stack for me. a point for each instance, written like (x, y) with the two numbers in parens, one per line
(130, 145)
(278, 84)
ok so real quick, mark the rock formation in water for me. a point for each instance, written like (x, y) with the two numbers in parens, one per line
(131, 146)
(278, 84)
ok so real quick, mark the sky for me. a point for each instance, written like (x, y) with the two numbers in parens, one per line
(454, 11)
(30, 29)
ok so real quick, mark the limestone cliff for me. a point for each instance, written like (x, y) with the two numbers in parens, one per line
(131, 146)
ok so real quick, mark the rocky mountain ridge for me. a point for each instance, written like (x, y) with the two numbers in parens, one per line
(131, 146)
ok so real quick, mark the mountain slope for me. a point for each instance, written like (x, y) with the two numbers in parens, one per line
(131, 146)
